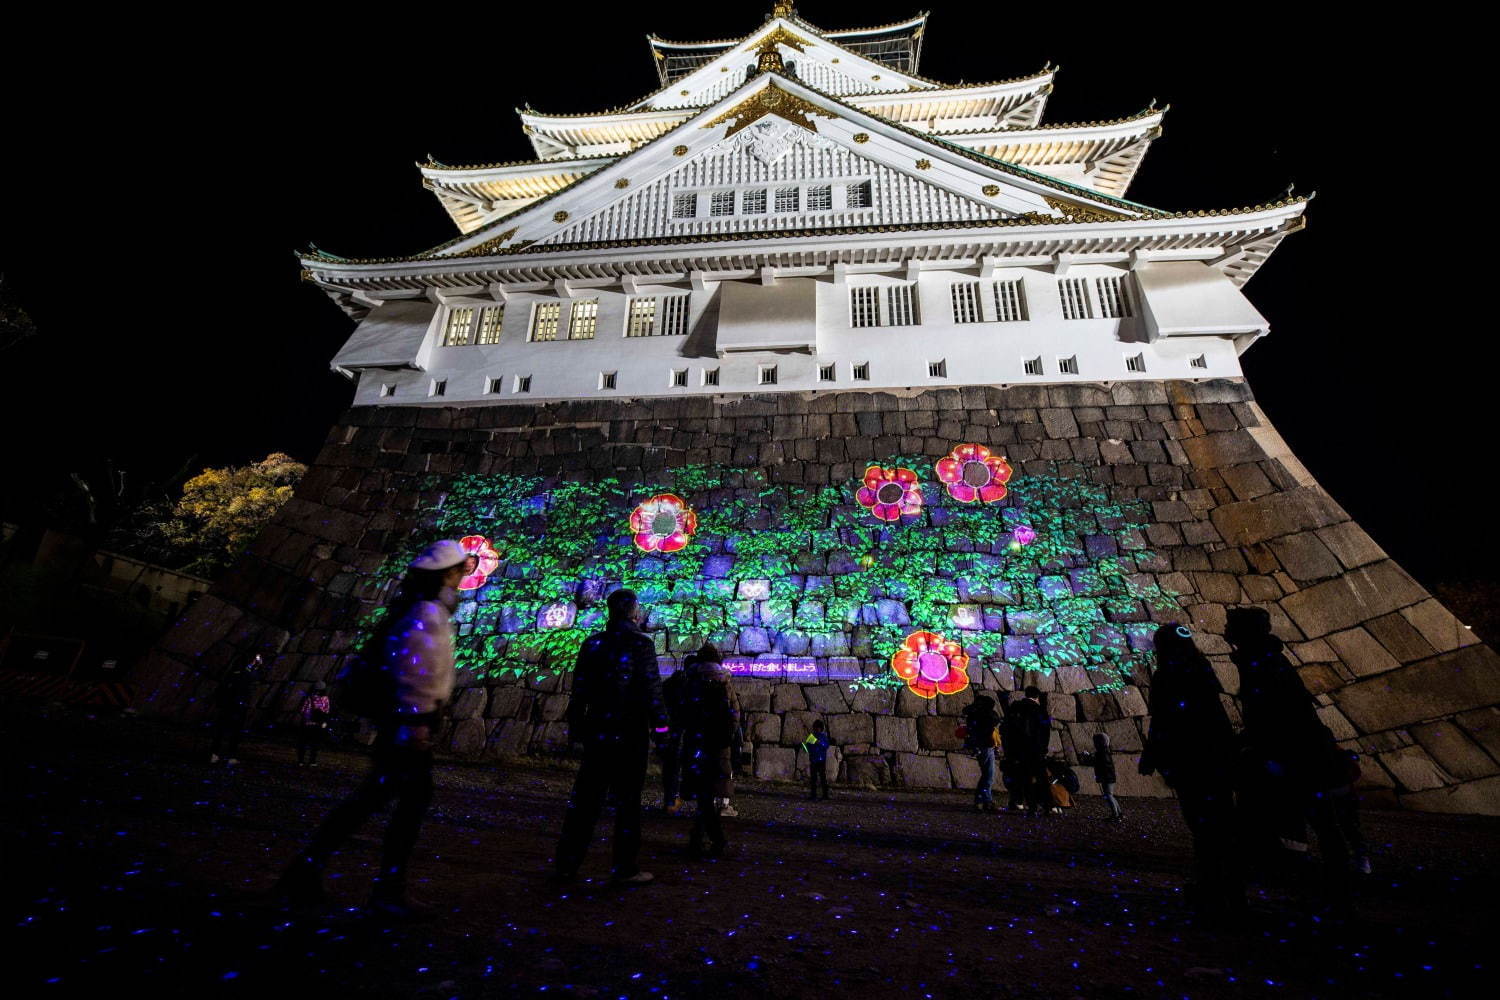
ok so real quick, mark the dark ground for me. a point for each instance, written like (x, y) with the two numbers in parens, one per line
(131, 864)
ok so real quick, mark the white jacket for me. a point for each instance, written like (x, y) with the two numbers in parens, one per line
(421, 648)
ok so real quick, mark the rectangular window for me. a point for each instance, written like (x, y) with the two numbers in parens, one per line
(1010, 301)
(1068, 366)
(767, 374)
(544, 321)
(641, 321)
(937, 369)
(1074, 293)
(966, 302)
(1136, 363)
(721, 203)
(827, 373)
(439, 387)
(494, 384)
(753, 202)
(819, 198)
(788, 199)
(388, 389)
(679, 378)
(583, 319)
(607, 379)
(1034, 366)
(491, 319)
(1114, 298)
(860, 372)
(864, 302)
(684, 206)
(523, 383)
(674, 316)
(710, 376)
(901, 305)
(1201, 361)
(858, 195)
(456, 334)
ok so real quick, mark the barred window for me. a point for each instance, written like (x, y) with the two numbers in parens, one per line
(819, 198)
(491, 319)
(966, 302)
(860, 372)
(388, 388)
(674, 315)
(767, 374)
(864, 301)
(788, 199)
(827, 373)
(937, 369)
(1034, 366)
(1201, 361)
(710, 376)
(439, 387)
(641, 318)
(858, 195)
(753, 202)
(1074, 293)
(583, 319)
(494, 384)
(684, 206)
(523, 383)
(456, 334)
(1068, 366)
(721, 203)
(1114, 298)
(678, 379)
(544, 321)
(1136, 363)
(607, 379)
(1010, 301)
(901, 305)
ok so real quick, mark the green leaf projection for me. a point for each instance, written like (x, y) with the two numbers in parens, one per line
(1043, 579)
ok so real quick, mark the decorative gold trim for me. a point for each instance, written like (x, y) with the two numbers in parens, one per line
(684, 93)
(559, 216)
(623, 182)
(835, 59)
(679, 150)
(924, 164)
(1074, 212)
(990, 190)
(875, 77)
(494, 243)
(861, 137)
(771, 100)
(782, 37)
(782, 9)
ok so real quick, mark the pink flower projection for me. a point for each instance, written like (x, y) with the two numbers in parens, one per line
(972, 473)
(890, 493)
(488, 561)
(665, 523)
(1023, 534)
(931, 665)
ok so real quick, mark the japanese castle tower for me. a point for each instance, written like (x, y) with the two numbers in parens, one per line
(787, 325)
(800, 210)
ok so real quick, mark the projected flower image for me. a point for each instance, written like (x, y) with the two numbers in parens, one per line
(889, 493)
(665, 523)
(931, 665)
(972, 473)
(488, 561)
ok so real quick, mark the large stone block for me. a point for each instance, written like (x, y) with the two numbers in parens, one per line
(1454, 752)
(964, 770)
(1414, 770)
(1305, 557)
(826, 698)
(851, 728)
(754, 694)
(775, 763)
(1441, 630)
(939, 732)
(787, 697)
(920, 771)
(1348, 600)
(1361, 653)
(467, 739)
(469, 703)
(1300, 509)
(509, 739)
(763, 727)
(795, 726)
(1483, 726)
(1453, 682)
(893, 732)
(877, 701)
(867, 771)
(1480, 797)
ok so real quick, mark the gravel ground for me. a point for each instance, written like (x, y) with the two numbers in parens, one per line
(132, 864)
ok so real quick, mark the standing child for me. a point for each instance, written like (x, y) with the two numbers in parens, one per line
(817, 744)
(315, 713)
(1104, 774)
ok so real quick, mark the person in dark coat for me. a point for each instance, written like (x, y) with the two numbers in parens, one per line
(1293, 757)
(232, 706)
(1027, 729)
(1104, 773)
(615, 708)
(1193, 746)
(817, 744)
(981, 723)
(669, 750)
(708, 733)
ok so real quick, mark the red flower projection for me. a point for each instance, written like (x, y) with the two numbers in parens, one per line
(931, 665)
(665, 523)
(890, 493)
(488, 561)
(972, 473)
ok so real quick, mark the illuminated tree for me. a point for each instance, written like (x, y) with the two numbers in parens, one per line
(222, 510)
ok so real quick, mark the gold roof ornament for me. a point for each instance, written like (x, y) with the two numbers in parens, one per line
(770, 100)
(782, 9)
(1075, 212)
(769, 60)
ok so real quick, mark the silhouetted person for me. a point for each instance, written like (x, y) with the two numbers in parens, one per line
(980, 724)
(1027, 731)
(669, 750)
(1294, 757)
(708, 735)
(1104, 773)
(1193, 746)
(817, 744)
(414, 644)
(313, 716)
(232, 708)
(616, 704)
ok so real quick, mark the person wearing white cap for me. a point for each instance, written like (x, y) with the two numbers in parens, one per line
(415, 644)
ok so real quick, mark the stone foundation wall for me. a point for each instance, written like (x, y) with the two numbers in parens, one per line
(1235, 519)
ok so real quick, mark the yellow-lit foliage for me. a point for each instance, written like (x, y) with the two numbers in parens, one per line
(222, 510)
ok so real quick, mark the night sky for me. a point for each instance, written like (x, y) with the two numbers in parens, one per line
(155, 201)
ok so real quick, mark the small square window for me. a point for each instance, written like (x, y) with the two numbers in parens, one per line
(819, 198)
(827, 373)
(1137, 363)
(767, 374)
(1068, 366)
(439, 387)
(937, 369)
(1201, 361)
(710, 376)
(388, 388)
(721, 203)
(523, 383)
(607, 380)
(753, 202)
(788, 199)
(1034, 366)
(858, 196)
(679, 378)
(494, 384)
(860, 372)
(684, 206)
